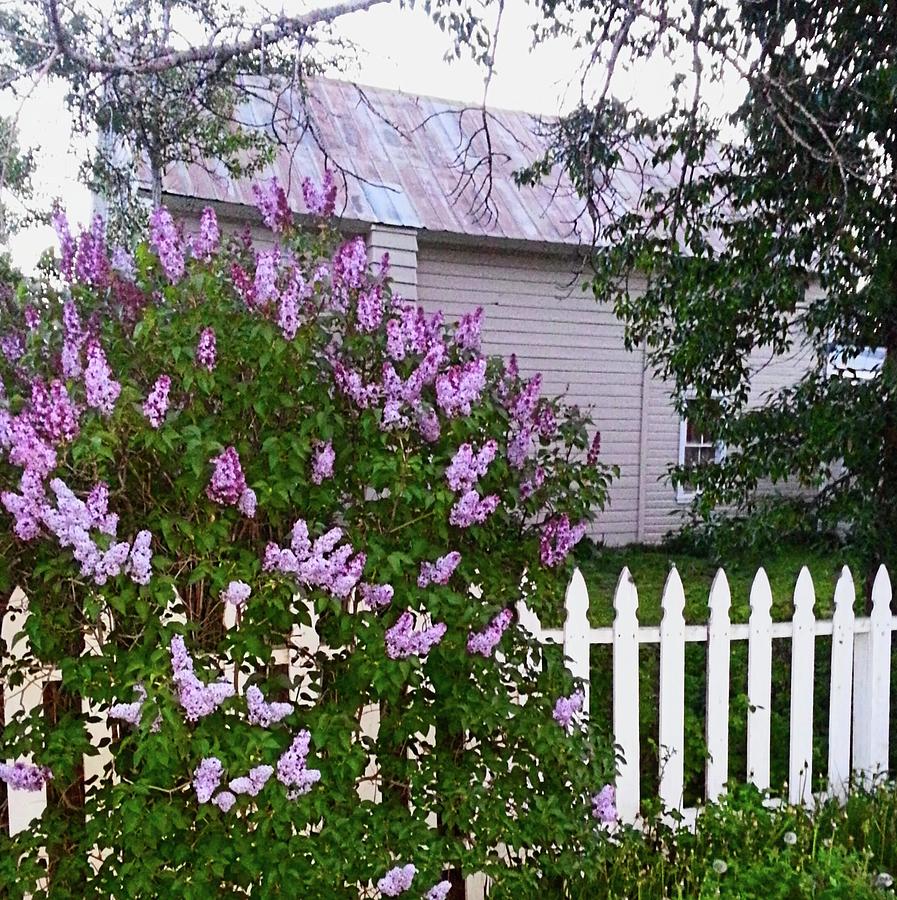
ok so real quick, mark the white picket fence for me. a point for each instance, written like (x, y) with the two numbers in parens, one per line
(859, 706)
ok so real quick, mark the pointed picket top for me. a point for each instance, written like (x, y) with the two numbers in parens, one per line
(803, 659)
(759, 681)
(881, 596)
(804, 597)
(845, 595)
(761, 598)
(626, 696)
(625, 596)
(718, 663)
(671, 724)
(673, 600)
(576, 599)
(841, 691)
(577, 638)
(720, 600)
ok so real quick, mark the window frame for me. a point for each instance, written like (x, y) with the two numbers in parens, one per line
(684, 494)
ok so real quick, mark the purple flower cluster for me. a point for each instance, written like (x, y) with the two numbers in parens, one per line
(594, 450)
(129, 712)
(484, 642)
(156, 405)
(440, 571)
(320, 202)
(467, 467)
(196, 698)
(123, 264)
(402, 641)
(292, 770)
(248, 503)
(236, 594)
(460, 387)
(52, 412)
(263, 713)
(66, 242)
(253, 783)
(264, 286)
(224, 800)
(604, 805)
(73, 338)
(438, 891)
(526, 419)
(377, 596)
(23, 776)
(472, 509)
(531, 485)
(353, 386)
(325, 456)
(271, 202)
(91, 259)
(228, 483)
(12, 347)
(204, 244)
(396, 881)
(101, 388)
(321, 564)
(25, 446)
(467, 333)
(288, 307)
(206, 778)
(566, 708)
(166, 240)
(207, 349)
(369, 312)
(348, 270)
(558, 538)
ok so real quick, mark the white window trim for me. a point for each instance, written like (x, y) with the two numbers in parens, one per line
(683, 494)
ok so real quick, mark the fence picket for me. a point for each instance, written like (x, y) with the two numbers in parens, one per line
(718, 639)
(803, 656)
(671, 731)
(841, 686)
(759, 681)
(577, 643)
(626, 696)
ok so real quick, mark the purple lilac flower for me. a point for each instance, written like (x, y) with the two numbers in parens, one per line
(322, 564)
(288, 305)
(467, 334)
(428, 425)
(438, 891)
(292, 770)
(243, 284)
(471, 509)
(370, 308)
(101, 388)
(402, 641)
(484, 642)
(53, 413)
(352, 385)
(196, 698)
(439, 572)
(166, 240)
(604, 805)
(566, 708)
(236, 594)
(323, 463)
(98, 506)
(531, 485)
(396, 881)
(594, 450)
(26, 508)
(347, 271)
(123, 264)
(204, 244)
(139, 562)
(320, 202)
(377, 596)
(32, 318)
(519, 445)
(91, 261)
(523, 407)
(228, 482)
(271, 202)
(156, 405)
(12, 347)
(262, 713)
(129, 712)
(224, 800)
(73, 340)
(546, 421)
(253, 783)
(26, 447)
(264, 287)
(468, 467)
(23, 776)
(206, 778)
(460, 387)
(66, 242)
(558, 538)
(247, 503)
(207, 349)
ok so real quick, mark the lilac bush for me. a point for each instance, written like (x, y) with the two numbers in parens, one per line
(193, 426)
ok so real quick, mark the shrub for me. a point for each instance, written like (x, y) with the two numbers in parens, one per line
(200, 423)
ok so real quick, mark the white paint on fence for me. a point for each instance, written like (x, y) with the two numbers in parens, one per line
(671, 731)
(576, 632)
(803, 659)
(626, 693)
(759, 681)
(840, 699)
(718, 638)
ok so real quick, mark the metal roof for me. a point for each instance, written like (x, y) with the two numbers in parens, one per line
(399, 159)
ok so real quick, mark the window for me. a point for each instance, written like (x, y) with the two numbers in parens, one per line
(697, 447)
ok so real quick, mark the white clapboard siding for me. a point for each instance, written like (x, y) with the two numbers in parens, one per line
(840, 699)
(626, 694)
(759, 682)
(671, 714)
(718, 642)
(803, 659)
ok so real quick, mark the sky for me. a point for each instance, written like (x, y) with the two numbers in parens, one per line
(397, 49)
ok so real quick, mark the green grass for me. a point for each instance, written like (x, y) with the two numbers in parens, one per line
(601, 567)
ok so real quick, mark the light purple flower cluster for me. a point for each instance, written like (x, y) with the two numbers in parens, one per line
(348, 270)
(484, 642)
(66, 242)
(156, 405)
(467, 467)
(123, 264)
(320, 202)
(377, 596)
(23, 776)
(604, 805)
(12, 346)
(206, 778)
(438, 891)
(440, 571)
(292, 769)
(558, 538)
(402, 641)
(236, 594)
(264, 286)
(467, 333)
(253, 783)
(224, 800)
(352, 385)
(73, 338)
(526, 421)
(296, 291)
(412, 332)
(228, 483)
(399, 393)
(52, 412)
(325, 456)
(321, 564)
(25, 446)
(207, 349)
(271, 202)
(129, 712)
(396, 881)
(91, 259)
(566, 708)
(369, 312)
(531, 485)
(204, 244)
(460, 387)
(196, 698)
(101, 388)
(27, 507)
(32, 318)
(263, 713)
(166, 240)
(472, 509)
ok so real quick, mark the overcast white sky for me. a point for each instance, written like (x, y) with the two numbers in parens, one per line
(397, 48)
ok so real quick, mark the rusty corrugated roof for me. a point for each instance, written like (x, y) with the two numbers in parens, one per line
(402, 159)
